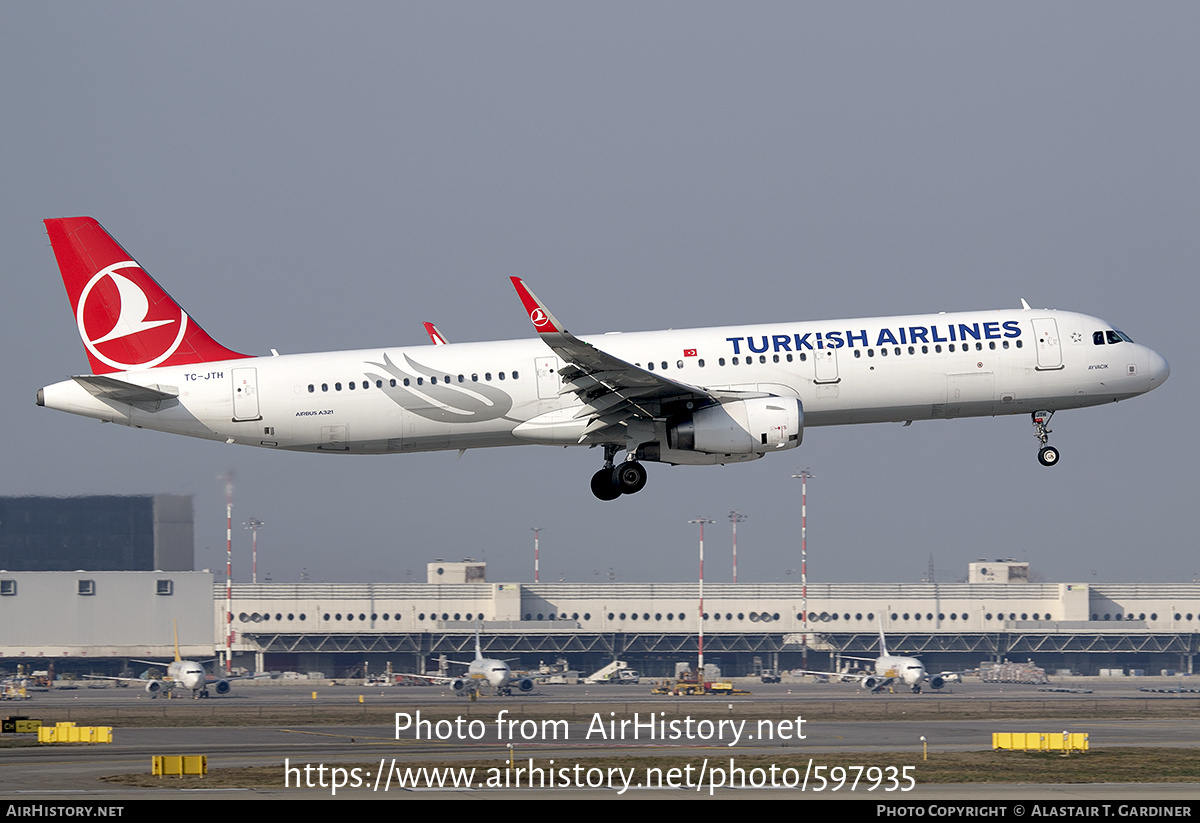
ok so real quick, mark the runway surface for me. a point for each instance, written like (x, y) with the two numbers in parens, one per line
(266, 724)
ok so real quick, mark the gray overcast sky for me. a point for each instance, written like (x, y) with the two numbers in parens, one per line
(310, 176)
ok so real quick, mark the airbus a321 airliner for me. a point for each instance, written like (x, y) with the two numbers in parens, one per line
(697, 397)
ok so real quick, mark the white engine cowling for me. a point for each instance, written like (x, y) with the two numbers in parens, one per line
(757, 426)
(222, 687)
(153, 686)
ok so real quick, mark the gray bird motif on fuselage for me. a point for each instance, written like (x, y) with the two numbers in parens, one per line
(435, 399)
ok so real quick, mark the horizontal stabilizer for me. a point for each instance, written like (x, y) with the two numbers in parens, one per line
(149, 398)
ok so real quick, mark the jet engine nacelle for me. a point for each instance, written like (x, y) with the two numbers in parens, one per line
(222, 687)
(153, 687)
(756, 426)
(525, 684)
(459, 686)
(870, 683)
(937, 681)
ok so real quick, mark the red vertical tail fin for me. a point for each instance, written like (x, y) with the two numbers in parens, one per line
(125, 319)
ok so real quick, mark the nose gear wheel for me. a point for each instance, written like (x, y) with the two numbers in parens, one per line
(1047, 454)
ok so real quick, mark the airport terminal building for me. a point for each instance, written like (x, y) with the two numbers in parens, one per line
(652, 626)
(96, 620)
(86, 617)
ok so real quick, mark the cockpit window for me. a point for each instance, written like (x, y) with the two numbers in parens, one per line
(1122, 336)
(1098, 338)
(1110, 336)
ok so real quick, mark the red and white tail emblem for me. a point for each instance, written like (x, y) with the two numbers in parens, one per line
(125, 319)
(435, 336)
(539, 315)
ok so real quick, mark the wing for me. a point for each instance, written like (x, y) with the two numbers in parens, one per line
(166, 681)
(612, 391)
(843, 677)
(433, 678)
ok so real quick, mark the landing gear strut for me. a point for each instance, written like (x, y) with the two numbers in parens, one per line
(1047, 454)
(612, 481)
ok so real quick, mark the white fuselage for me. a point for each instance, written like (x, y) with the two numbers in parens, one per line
(471, 395)
(495, 672)
(908, 670)
(187, 674)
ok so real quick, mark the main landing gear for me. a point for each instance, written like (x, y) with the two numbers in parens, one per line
(612, 481)
(1047, 454)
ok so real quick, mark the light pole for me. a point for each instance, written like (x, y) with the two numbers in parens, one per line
(254, 524)
(700, 658)
(735, 517)
(536, 533)
(228, 478)
(803, 476)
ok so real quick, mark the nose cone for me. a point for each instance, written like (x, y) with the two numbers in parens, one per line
(499, 675)
(1157, 368)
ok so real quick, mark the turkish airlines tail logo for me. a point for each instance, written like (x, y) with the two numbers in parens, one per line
(125, 319)
(134, 308)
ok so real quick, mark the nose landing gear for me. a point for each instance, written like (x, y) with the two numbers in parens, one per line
(1047, 454)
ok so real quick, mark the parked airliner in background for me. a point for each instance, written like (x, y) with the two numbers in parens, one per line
(888, 669)
(183, 675)
(699, 396)
(495, 673)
